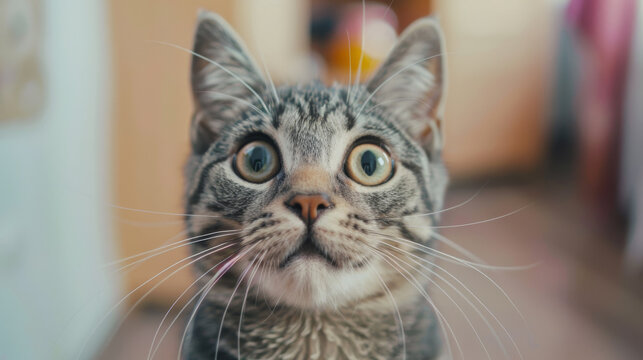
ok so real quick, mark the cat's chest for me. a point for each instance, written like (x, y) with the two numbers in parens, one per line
(320, 336)
(293, 334)
(264, 332)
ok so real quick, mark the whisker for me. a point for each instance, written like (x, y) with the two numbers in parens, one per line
(350, 68)
(370, 96)
(361, 52)
(388, 8)
(274, 307)
(438, 211)
(167, 330)
(219, 274)
(459, 248)
(261, 278)
(452, 259)
(475, 308)
(207, 253)
(475, 222)
(459, 261)
(154, 212)
(265, 68)
(243, 101)
(466, 317)
(243, 305)
(225, 311)
(462, 295)
(187, 241)
(134, 263)
(397, 310)
(443, 321)
(100, 293)
(245, 84)
(148, 224)
(272, 84)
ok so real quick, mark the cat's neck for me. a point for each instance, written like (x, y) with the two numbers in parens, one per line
(369, 329)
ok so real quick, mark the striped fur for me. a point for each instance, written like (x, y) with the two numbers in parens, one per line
(314, 309)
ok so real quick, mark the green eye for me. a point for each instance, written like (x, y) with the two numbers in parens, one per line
(257, 162)
(369, 165)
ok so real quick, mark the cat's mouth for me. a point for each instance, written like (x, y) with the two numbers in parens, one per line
(308, 249)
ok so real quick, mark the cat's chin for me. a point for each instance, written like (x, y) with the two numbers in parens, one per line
(310, 281)
(307, 254)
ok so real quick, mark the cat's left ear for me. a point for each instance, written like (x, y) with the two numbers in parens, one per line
(411, 82)
(224, 78)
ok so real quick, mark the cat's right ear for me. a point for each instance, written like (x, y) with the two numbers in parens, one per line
(224, 79)
(411, 82)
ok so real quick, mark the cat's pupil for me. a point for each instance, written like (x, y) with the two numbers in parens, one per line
(257, 158)
(369, 162)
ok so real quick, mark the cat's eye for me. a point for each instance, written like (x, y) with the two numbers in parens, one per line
(257, 161)
(369, 164)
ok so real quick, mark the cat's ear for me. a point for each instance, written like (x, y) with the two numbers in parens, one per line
(411, 82)
(224, 78)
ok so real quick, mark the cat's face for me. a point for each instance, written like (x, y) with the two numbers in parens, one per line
(319, 181)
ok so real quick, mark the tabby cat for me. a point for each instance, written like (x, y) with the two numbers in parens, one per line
(311, 205)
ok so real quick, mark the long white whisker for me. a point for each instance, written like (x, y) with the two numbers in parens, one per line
(459, 248)
(174, 247)
(475, 222)
(272, 84)
(219, 274)
(443, 321)
(245, 84)
(207, 253)
(265, 68)
(273, 307)
(361, 52)
(243, 101)
(475, 308)
(466, 317)
(243, 305)
(148, 224)
(350, 68)
(173, 238)
(167, 330)
(397, 310)
(236, 287)
(154, 212)
(460, 293)
(453, 259)
(442, 210)
(102, 292)
(474, 267)
(388, 8)
(370, 96)
(188, 240)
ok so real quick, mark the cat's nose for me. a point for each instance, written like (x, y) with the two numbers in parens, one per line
(308, 207)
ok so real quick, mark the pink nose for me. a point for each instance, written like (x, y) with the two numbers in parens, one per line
(308, 207)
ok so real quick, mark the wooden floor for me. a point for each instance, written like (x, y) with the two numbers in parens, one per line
(575, 304)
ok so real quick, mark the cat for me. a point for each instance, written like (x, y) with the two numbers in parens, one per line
(312, 205)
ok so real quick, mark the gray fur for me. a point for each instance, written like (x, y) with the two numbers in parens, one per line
(337, 310)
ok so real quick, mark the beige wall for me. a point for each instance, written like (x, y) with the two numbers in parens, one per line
(500, 56)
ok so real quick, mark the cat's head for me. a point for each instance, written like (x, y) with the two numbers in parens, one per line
(321, 182)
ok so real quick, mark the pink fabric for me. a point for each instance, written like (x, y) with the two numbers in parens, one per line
(604, 32)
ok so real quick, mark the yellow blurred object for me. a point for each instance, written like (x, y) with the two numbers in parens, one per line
(345, 59)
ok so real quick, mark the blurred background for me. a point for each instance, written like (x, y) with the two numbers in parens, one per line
(544, 133)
